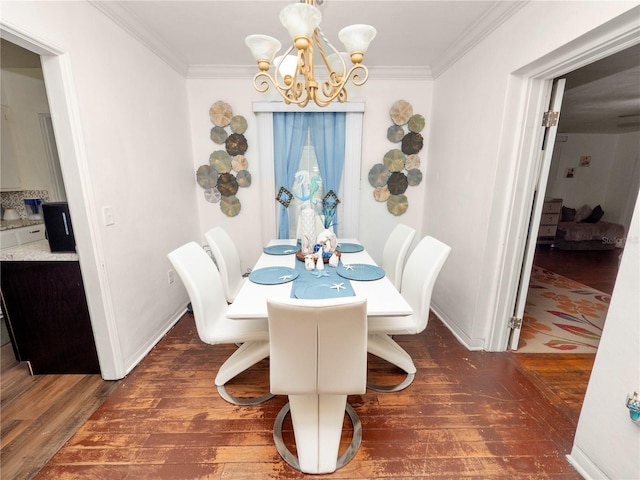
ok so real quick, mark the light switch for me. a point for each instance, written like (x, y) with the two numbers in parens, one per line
(107, 213)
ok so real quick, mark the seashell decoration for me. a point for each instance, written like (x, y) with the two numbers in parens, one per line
(236, 144)
(400, 168)
(218, 135)
(395, 133)
(401, 112)
(381, 194)
(238, 124)
(220, 114)
(207, 176)
(227, 170)
(411, 143)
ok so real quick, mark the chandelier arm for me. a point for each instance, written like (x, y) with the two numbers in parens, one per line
(261, 81)
(355, 75)
(320, 34)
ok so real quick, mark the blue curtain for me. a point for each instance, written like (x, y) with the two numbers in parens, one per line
(290, 135)
(328, 137)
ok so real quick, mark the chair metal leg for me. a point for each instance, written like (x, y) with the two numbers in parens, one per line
(247, 355)
(383, 346)
(222, 391)
(343, 459)
(393, 388)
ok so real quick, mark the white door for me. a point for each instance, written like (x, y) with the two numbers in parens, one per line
(536, 210)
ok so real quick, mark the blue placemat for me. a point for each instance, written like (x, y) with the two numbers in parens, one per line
(360, 271)
(273, 275)
(315, 284)
(280, 249)
(322, 290)
(349, 247)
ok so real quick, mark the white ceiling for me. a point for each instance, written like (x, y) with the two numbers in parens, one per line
(414, 33)
(604, 97)
(418, 38)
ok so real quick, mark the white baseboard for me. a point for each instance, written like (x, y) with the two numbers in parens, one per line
(464, 339)
(584, 465)
(144, 350)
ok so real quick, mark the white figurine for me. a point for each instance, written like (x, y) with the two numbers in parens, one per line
(307, 246)
(320, 261)
(309, 262)
(327, 240)
(334, 260)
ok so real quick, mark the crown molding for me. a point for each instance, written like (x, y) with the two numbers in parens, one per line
(499, 13)
(222, 71)
(125, 19)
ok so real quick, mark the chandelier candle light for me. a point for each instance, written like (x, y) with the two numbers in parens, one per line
(294, 75)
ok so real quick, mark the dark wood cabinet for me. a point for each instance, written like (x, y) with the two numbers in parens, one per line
(47, 316)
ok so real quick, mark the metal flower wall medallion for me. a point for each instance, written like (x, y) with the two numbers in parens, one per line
(226, 171)
(400, 167)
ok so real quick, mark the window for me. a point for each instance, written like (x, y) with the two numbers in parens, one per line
(348, 209)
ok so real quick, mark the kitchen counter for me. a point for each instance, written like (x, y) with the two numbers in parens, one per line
(35, 251)
(22, 222)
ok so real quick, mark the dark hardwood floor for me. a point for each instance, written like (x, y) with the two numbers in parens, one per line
(467, 415)
(596, 268)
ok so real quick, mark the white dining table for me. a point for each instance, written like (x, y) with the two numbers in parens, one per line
(383, 299)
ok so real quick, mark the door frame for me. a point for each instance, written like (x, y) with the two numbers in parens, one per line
(527, 98)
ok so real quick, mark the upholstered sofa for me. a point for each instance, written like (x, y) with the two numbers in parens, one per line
(583, 229)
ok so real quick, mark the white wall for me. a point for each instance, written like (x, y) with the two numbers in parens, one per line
(376, 222)
(624, 179)
(607, 442)
(130, 149)
(611, 179)
(472, 156)
(23, 91)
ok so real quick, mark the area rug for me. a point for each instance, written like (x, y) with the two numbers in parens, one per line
(561, 315)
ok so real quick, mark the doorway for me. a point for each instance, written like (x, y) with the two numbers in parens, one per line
(595, 161)
(58, 74)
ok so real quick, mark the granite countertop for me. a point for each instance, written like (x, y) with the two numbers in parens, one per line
(35, 251)
(22, 222)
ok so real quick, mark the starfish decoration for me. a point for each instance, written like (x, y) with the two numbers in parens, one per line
(289, 251)
(339, 286)
(321, 273)
(286, 277)
(348, 267)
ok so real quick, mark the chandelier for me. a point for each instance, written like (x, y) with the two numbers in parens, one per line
(294, 75)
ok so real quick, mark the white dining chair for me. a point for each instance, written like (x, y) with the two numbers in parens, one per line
(418, 279)
(395, 252)
(318, 357)
(204, 286)
(227, 259)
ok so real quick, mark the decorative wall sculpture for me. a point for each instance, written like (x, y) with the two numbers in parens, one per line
(400, 167)
(227, 170)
